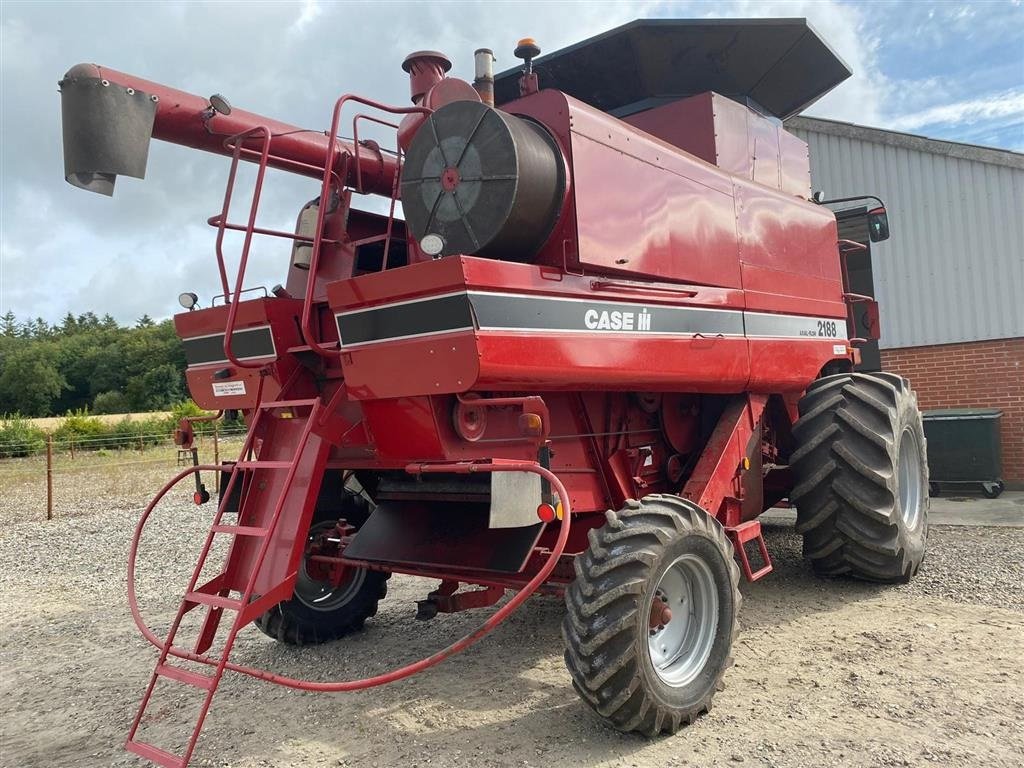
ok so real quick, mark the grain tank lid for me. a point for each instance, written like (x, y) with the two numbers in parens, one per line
(780, 64)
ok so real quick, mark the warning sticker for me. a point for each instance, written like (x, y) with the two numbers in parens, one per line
(228, 388)
(838, 349)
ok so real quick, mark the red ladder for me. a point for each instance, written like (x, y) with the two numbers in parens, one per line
(241, 573)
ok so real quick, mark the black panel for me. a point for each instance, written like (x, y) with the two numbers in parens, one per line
(498, 311)
(780, 64)
(430, 316)
(245, 344)
(370, 256)
(441, 534)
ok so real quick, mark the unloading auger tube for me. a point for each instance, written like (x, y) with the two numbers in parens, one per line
(408, 670)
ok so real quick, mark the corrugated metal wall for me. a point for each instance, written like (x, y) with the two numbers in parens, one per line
(953, 269)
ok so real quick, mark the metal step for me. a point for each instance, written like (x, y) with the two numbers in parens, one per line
(241, 530)
(289, 403)
(215, 601)
(185, 676)
(154, 754)
(257, 464)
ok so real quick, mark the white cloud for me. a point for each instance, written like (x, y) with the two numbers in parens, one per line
(311, 11)
(1006, 107)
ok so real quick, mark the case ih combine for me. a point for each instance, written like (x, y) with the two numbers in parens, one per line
(611, 330)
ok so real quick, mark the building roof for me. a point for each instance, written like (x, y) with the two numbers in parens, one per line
(1004, 157)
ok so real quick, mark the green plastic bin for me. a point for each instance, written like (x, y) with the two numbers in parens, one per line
(964, 449)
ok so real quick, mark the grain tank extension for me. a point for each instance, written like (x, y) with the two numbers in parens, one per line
(610, 328)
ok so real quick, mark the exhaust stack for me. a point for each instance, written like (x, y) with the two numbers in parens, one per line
(107, 128)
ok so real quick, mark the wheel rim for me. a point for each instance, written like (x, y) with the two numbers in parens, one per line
(680, 649)
(910, 478)
(322, 595)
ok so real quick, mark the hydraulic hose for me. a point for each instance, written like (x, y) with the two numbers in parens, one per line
(401, 672)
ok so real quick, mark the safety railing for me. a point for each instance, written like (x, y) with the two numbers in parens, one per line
(261, 157)
(332, 149)
(336, 170)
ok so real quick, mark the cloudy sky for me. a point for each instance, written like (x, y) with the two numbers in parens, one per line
(942, 69)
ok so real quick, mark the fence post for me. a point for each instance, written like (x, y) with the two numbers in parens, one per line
(49, 477)
(216, 458)
(140, 443)
(72, 444)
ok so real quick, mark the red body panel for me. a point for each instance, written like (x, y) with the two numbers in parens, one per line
(279, 314)
(552, 360)
(724, 133)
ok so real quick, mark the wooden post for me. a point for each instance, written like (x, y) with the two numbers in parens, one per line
(216, 458)
(72, 444)
(140, 443)
(49, 477)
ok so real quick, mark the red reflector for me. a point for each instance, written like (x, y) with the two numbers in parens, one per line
(546, 513)
(197, 497)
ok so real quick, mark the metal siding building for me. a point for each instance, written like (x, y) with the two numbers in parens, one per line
(953, 269)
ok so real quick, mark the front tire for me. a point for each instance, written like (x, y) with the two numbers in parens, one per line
(861, 477)
(637, 673)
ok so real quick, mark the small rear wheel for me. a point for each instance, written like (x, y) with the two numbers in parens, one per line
(651, 615)
(323, 609)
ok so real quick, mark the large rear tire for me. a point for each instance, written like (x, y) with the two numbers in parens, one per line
(319, 612)
(861, 477)
(635, 672)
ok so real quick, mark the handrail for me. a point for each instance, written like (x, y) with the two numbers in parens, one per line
(520, 597)
(232, 298)
(325, 193)
(394, 182)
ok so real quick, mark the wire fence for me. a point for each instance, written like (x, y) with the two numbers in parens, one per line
(106, 467)
(116, 442)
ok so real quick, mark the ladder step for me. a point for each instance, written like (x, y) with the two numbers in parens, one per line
(215, 601)
(241, 530)
(185, 676)
(264, 464)
(154, 754)
(289, 403)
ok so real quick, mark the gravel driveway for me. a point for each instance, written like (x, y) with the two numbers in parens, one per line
(827, 673)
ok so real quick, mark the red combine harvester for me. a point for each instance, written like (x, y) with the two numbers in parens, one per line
(611, 330)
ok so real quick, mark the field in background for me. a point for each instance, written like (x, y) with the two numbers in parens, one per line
(95, 481)
(50, 423)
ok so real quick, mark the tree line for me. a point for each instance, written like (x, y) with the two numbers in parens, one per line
(89, 362)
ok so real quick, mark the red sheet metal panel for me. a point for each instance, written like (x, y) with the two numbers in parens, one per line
(644, 207)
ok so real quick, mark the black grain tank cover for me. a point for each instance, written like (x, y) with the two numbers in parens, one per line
(780, 64)
(485, 182)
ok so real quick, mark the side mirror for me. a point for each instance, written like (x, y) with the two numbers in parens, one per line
(878, 225)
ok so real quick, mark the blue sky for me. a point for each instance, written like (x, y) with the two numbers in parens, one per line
(942, 69)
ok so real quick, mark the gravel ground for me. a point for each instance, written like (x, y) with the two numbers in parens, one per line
(827, 673)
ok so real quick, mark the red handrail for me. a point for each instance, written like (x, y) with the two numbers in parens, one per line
(232, 298)
(325, 192)
(461, 644)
